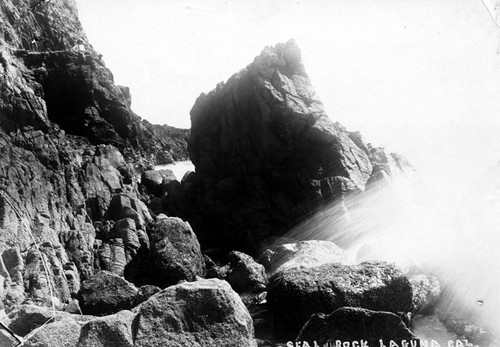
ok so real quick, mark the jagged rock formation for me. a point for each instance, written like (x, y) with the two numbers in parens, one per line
(267, 155)
(176, 138)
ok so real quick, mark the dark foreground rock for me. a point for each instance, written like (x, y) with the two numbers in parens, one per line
(64, 333)
(106, 293)
(244, 274)
(355, 324)
(426, 292)
(203, 313)
(174, 256)
(297, 293)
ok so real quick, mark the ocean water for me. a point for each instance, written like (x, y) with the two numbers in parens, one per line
(179, 168)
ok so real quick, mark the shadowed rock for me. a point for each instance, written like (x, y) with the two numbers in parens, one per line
(303, 254)
(266, 153)
(297, 293)
(355, 324)
(244, 274)
(175, 253)
(106, 293)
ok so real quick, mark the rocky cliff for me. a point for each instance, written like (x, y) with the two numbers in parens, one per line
(72, 152)
(267, 155)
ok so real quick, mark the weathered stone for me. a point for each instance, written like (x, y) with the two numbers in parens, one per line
(244, 274)
(303, 254)
(157, 180)
(73, 307)
(126, 229)
(125, 206)
(175, 253)
(152, 179)
(203, 313)
(14, 296)
(145, 292)
(214, 270)
(118, 258)
(113, 330)
(355, 324)
(106, 293)
(297, 293)
(63, 333)
(25, 318)
(69, 142)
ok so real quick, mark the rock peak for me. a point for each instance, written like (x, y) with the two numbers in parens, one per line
(284, 57)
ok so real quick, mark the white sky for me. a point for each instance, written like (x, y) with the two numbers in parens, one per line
(413, 76)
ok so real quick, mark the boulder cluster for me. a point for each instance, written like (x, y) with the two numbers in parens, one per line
(97, 248)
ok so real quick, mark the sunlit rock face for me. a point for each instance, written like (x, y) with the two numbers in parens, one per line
(265, 151)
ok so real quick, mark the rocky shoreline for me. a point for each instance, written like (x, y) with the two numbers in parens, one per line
(99, 249)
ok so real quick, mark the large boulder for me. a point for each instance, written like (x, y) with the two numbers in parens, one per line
(303, 254)
(266, 153)
(245, 274)
(110, 331)
(204, 313)
(297, 293)
(63, 333)
(355, 324)
(175, 253)
(106, 293)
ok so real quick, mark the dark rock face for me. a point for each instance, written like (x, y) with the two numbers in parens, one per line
(83, 100)
(106, 293)
(177, 139)
(174, 255)
(297, 293)
(244, 274)
(25, 318)
(145, 292)
(203, 313)
(355, 324)
(426, 291)
(266, 153)
(176, 252)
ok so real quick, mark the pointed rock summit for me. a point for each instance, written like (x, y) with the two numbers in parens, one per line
(266, 153)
